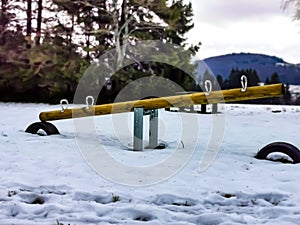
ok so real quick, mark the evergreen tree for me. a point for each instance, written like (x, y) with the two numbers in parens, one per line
(220, 81)
(234, 80)
(46, 55)
(253, 78)
(43, 70)
(119, 24)
(275, 78)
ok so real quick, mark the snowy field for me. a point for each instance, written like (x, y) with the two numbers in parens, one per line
(45, 179)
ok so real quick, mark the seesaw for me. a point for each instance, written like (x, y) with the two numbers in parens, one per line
(232, 95)
(150, 107)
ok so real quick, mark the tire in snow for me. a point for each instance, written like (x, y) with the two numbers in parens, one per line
(47, 127)
(282, 147)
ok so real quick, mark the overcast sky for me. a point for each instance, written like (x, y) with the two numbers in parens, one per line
(255, 26)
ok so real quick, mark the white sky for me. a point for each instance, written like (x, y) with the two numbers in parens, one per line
(255, 26)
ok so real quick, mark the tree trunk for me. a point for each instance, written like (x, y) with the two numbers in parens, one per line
(88, 43)
(29, 23)
(39, 22)
(123, 20)
(121, 33)
(3, 21)
(72, 29)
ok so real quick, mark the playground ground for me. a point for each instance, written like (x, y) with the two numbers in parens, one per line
(45, 180)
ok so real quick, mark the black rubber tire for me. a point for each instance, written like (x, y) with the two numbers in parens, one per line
(49, 128)
(283, 147)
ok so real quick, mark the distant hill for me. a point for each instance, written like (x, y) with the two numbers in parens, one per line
(265, 66)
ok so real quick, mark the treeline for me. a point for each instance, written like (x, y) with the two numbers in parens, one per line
(234, 81)
(47, 45)
(253, 79)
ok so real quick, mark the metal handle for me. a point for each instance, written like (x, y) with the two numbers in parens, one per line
(208, 87)
(89, 101)
(244, 82)
(64, 104)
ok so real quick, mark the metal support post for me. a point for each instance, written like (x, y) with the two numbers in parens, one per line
(153, 129)
(203, 108)
(138, 129)
(214, 108)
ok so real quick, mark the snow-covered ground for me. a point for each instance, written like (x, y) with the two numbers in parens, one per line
(295, 92)
(46, 180)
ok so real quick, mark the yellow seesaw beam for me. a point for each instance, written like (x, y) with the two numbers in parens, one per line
(232, 95)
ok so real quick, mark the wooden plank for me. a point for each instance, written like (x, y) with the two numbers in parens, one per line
(232, 95)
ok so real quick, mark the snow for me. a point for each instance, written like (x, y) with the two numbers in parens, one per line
(46, 179)
(295, 92)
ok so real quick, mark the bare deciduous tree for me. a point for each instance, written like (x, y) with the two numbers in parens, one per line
(292, 3)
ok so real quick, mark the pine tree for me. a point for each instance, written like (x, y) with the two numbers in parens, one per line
(220, 81)
(253, 78)
(267, 81)
(119, 24)
(234, 79)
(44, 70)
(49, 52)
(275, 78)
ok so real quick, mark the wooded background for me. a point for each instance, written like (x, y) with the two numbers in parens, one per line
(47, 45)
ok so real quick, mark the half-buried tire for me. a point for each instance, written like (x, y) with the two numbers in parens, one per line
(47, 127)
(282, 147)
